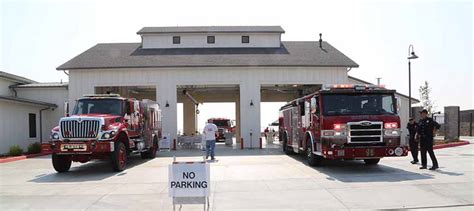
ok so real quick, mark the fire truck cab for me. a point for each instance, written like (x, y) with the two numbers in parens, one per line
(224, 125)
(347, 122)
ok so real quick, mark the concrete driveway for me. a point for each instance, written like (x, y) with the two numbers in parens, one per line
(246, 179)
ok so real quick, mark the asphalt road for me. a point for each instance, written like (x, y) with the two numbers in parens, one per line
(246, 179)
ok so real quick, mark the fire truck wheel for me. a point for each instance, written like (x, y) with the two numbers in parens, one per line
(61, 163)
(287, 149)
(372, 161)
(313, 159)
(119, 157)
(150, 153)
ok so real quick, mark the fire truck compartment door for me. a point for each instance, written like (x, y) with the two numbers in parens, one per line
(294, 128)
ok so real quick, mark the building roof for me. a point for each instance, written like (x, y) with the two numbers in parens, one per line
(27, 101)
(131, 55)
(366, 82)
(43, 85)
(15, 78)
(212, 29)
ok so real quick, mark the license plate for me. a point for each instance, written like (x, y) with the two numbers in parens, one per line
(370, 152)
(74, 147)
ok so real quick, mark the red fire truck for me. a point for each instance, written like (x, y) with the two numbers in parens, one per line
(224, 125)
(106, 127)
(344, 122)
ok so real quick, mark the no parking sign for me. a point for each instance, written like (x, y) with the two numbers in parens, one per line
(189, 179)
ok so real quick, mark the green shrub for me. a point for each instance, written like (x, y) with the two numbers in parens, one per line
(15, 150)
(34, 148)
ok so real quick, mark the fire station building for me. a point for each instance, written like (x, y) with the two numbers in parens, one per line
(242, 64)
(245, 65)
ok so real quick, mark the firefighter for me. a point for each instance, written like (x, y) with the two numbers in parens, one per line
(426, 131)
(412, 127)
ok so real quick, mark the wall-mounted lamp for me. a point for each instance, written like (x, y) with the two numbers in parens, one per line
(167, 104)
(251, 102)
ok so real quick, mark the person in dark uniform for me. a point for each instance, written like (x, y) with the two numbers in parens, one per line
(412, 127)
(426, 130)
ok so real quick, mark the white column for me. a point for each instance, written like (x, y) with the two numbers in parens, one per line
(166, 94)
(189, 117)
(237, 121)
(250, 114)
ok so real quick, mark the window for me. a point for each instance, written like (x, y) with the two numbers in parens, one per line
(32, 124)
(302, 108)
(211, 39)
(102, 106)
(245, 39)
(176, 39)
(358, 104)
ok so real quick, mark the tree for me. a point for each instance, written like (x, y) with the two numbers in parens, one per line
(426, 102)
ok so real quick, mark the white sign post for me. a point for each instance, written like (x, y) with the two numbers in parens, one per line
(189, 183)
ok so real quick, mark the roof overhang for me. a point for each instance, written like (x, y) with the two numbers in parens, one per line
(210, 29)
(15, 78)
(27, 101)
(414, 100)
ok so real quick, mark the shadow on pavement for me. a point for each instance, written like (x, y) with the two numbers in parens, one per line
(358, 171)
(223, 150)
(91, 171)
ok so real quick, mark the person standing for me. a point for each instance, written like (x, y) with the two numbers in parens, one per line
(412, 127)
(210, 133)
(426, 131)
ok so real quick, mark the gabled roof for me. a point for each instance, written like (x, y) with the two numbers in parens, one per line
(211, 29)
(15, 78)
(27, 101)
(131, 55)
(366, 82)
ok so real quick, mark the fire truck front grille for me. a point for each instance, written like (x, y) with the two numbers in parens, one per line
(79, 129)
(365, 132)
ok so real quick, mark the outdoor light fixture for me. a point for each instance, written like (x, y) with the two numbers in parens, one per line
(411, 55)
(251, 102)
(167, 104)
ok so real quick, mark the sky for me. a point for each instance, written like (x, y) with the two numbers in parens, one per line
(37, 36)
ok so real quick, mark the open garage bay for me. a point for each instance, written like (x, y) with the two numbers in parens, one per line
(245, 179)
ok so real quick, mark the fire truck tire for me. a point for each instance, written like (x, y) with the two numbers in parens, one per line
(61, 163)
(119, 157)
(313, 159)
(150, 153)
(371, 161)
(287, 149)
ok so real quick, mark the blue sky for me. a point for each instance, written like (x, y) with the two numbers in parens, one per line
(37, 36)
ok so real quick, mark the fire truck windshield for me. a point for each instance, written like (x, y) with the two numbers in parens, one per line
(99, 106)
(358, 104)
(221, 123)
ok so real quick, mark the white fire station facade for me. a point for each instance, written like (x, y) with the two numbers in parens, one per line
(246, 65)
(242, 64)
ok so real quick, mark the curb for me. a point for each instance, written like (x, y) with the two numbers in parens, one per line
(459, 143)
(22, 157)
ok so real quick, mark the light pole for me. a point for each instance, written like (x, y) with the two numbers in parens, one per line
(411, 55)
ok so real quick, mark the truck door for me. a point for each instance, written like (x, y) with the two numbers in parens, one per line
(133, 124)
(295, 128)
(288, 127)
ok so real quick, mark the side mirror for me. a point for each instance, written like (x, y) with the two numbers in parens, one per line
(66, 108)
(397, 104)
(314, 105)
